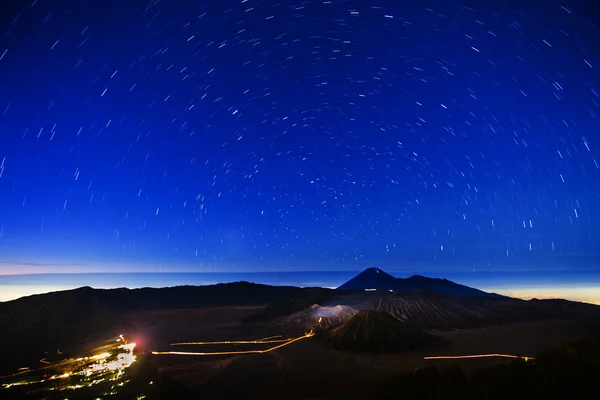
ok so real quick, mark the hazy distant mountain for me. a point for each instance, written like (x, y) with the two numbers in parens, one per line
(376, 279)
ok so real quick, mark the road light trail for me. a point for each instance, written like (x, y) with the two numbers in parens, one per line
(228, 353)
(270, 339)
(477, 356)
(15, 374)
(50, 365)
(259, 341)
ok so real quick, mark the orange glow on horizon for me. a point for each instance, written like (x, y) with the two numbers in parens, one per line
(586, 294)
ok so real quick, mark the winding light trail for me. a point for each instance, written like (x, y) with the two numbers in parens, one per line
(259, 341)
(16, 374)
(270, 339)
(50, 365)
(477, 356)
(222, 353)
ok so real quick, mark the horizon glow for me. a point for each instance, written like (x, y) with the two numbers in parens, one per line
(15, 286)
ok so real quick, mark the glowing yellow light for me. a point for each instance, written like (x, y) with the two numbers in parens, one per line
(259, 341)
(114, 362)
(186, 353)
(100, 356)
(475, 356)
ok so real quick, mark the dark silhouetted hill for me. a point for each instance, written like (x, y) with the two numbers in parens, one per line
(220, 295)
(418, 282)
(379, 332)
(374, 278)
(371, 278)
(48, 322)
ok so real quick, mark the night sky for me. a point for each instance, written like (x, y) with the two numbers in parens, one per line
(319, 135)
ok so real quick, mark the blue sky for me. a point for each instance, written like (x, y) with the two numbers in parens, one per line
(259, 135)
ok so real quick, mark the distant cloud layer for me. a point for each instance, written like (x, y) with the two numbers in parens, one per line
(21, 267)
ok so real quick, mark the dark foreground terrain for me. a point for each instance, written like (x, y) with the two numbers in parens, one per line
(295, 343)
(569, 371)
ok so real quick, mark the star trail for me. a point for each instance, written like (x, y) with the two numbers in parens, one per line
(318, 135)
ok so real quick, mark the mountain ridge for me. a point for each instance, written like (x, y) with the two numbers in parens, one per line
(73, 317)
(377, 279)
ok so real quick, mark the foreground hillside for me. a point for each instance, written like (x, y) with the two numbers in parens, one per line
(569, 371)
(44, 325)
